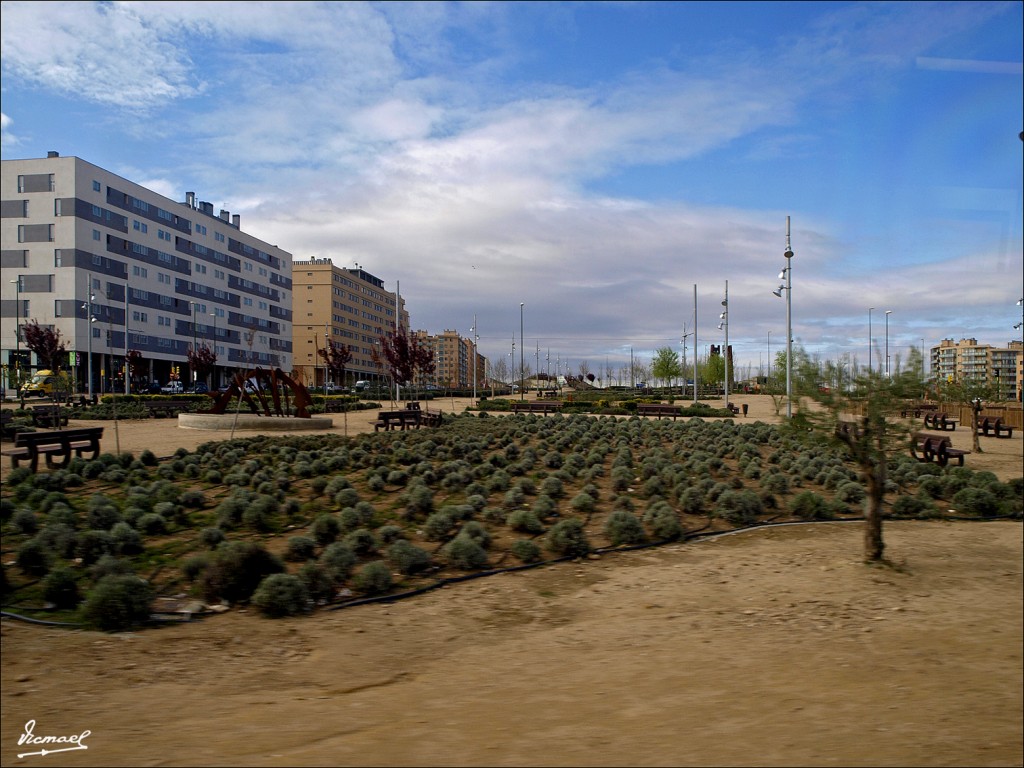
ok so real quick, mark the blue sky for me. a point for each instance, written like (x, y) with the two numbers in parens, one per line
(592, 161)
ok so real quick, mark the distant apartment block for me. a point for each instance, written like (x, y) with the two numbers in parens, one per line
(454, 358)
(115, 267)
(968, 360)
(341, 305)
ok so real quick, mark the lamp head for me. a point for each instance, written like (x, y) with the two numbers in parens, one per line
(782, 274)
(778, 291)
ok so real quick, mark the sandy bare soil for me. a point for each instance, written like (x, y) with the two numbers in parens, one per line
(772, 647)
(775, 647)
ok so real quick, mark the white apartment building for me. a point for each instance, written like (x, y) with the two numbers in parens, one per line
(116, 267)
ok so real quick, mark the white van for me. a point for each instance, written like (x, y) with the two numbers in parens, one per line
(361, 385)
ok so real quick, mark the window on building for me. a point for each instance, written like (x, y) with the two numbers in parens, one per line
(96, 186)
(95, 234)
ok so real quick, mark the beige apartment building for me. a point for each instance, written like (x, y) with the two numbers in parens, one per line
(967, 359)
(453, 360)
(340, 305)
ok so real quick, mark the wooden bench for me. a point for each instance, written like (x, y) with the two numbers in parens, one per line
(734, 408)
(918, 409)
(937, 448)
(49, 416)
(55, 445)
(536, 406)
(404, 419)
(661, 410)
(993, 427)
(939, 421)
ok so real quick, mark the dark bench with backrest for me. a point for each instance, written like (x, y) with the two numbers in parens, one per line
(404, 419)
(994, 427)
(661, 410)
(935, 448)
(536, 406)
(939, 421)
(56, 445)
(49, 416)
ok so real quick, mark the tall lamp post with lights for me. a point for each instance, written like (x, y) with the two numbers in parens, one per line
(887, 313)
(871, 367)
(17, 334)
(787, 273)
(476, 341)
(522, 367)
(724, 317)
(90, 319)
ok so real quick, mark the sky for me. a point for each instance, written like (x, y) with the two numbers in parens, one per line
(576, 169)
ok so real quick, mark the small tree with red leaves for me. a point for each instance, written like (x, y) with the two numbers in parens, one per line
(46, 343)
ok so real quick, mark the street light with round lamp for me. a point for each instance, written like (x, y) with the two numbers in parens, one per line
(787, 273)
(724, 317)
(522, 368)
(871, 368)
(17, 334)
(192, 365)
(887, 313)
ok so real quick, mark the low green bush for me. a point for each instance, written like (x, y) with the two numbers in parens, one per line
(373, 579)
(281, 594)
(118, 602)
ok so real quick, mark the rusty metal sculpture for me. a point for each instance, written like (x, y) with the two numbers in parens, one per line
(266, 392)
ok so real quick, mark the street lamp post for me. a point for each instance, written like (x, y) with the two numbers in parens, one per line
(192, 365)
(89, 319)
(725, 352)
(213, 375)
(476, 340)
(522, 368)
(871, 367)
(17, 335)
(787, 273)
(887, 313)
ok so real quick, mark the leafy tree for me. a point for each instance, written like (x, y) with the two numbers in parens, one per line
(201, 361)
(971, 393)
(665, 365)
(713, 370)
(336, 357)
(404, 356)
(45, 342)
(862, 419)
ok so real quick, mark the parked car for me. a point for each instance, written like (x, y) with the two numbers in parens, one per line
(173, 388)
(197, 389)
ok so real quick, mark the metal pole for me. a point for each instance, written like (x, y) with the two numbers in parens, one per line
(871, 367)
(789, 324)
(88, 328)
(17, 335)
(522, 344)
(476, 339)
(887, 313)
(725, 352)
(694, 343)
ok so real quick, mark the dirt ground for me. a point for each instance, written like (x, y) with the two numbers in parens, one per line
(771, 647)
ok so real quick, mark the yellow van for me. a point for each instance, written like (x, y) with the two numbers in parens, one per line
(42, 384)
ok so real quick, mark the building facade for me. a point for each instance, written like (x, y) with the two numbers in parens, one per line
(968, 360)
(115, 267)
(453, 358)
(343, 306)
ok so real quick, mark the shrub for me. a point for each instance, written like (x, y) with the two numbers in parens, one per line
(109, 565)
(33, 558)
(152, 524)
(373, 579)
(211, 537)
(739, 507)
(477, 532)
(300, 548)
(466, 553)
(25, 521)
(583, 503)
(407, 558)
(807, 505)
(438, 525)
(623, 527)
(126, 539)
(388, 534)
(526, 521)
(567, 537)
(664, 525)
(237, 569)
(61, 588)
(979, 502)
(92, 545)
(851, 492)
(526, 550)
(319, 584)
(281, 594)
(326, 529)
(337, 560)
(362, 542)
(195, 566)
(914, 506)
(118, 602)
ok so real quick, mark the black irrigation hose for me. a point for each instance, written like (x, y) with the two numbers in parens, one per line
(43, 622)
